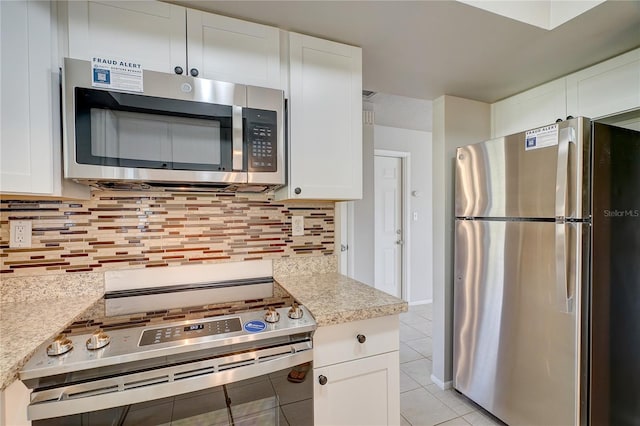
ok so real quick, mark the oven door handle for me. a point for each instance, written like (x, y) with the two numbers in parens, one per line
(165, 382)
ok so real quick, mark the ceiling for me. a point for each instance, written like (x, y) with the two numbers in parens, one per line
(425, 49)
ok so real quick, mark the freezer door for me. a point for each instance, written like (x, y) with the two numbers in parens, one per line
(615, 304)
(514, 350)
(543, 173)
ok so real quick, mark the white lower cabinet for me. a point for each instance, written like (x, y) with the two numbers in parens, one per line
(360, 392)
(357, 373)
(13, 405)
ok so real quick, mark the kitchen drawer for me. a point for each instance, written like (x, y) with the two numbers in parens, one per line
(338, 343)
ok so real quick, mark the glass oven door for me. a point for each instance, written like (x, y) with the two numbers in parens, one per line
(136, 131)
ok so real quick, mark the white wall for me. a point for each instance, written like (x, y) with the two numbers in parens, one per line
(418, 144)
(363, 242)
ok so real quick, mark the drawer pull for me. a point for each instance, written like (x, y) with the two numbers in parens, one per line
(322, 380)
(361, 338)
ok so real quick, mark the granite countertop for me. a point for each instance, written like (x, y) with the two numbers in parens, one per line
(26, 325)
(333, 298)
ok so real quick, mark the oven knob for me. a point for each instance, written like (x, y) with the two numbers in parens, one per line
(271, 315)
(60, 345)
(99, 339)
(295, 312)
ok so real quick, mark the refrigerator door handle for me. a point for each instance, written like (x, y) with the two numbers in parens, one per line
(566, 136)
(564, 299)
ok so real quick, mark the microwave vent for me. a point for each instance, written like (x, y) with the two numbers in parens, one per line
(180, 187)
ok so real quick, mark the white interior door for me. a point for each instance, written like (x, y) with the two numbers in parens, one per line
(388, 224)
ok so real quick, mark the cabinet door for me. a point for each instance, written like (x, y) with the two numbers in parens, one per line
(534, 108)
(608, 88)
(152, 33)
(362, 392)
(228, 49)
(26, 153)
(325, 143)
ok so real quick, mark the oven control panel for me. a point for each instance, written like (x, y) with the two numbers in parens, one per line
(190, 331)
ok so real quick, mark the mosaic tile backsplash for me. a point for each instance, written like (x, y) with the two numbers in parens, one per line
(122, 230)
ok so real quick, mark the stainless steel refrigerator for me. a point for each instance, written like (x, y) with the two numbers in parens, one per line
(547, 275)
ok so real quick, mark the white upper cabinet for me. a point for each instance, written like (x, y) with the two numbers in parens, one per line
(30, 153)
(168, 38)
(610, 87)
(228, 49)
(533, 108)
(325, 109)
(149, 32)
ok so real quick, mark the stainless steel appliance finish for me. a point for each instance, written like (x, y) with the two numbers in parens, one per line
(163, 352)
(533, 332)
(162, 92)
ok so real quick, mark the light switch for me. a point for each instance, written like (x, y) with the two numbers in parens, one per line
(297, 226)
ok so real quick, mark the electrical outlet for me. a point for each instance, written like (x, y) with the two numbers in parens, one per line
(297, 226)
(19, 233)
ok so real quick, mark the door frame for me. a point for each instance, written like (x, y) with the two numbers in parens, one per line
(344, 235)
(405, 250)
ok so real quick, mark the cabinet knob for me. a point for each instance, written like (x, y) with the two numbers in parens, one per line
(194, 72)
(297, 190)
(361, 338)
(178, 70)
(559, 120)
(322, 380)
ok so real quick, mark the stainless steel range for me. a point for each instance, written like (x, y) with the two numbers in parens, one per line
(147, 344)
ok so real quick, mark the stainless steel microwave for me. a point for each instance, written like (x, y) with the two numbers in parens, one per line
(173, 132)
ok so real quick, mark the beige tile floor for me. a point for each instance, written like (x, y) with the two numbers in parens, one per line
(423, 403)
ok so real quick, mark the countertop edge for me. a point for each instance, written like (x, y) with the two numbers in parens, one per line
(382, 304)
(10, 374)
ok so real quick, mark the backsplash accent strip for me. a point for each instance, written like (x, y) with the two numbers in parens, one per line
(121, 230)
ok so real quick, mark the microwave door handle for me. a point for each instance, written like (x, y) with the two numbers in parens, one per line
(237, 138)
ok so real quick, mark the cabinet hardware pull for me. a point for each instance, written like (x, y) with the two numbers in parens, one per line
(361, 338)
(322, 380)
(194, 72)
(178, 70)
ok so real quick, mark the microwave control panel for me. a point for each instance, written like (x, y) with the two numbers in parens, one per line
(261, 136)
